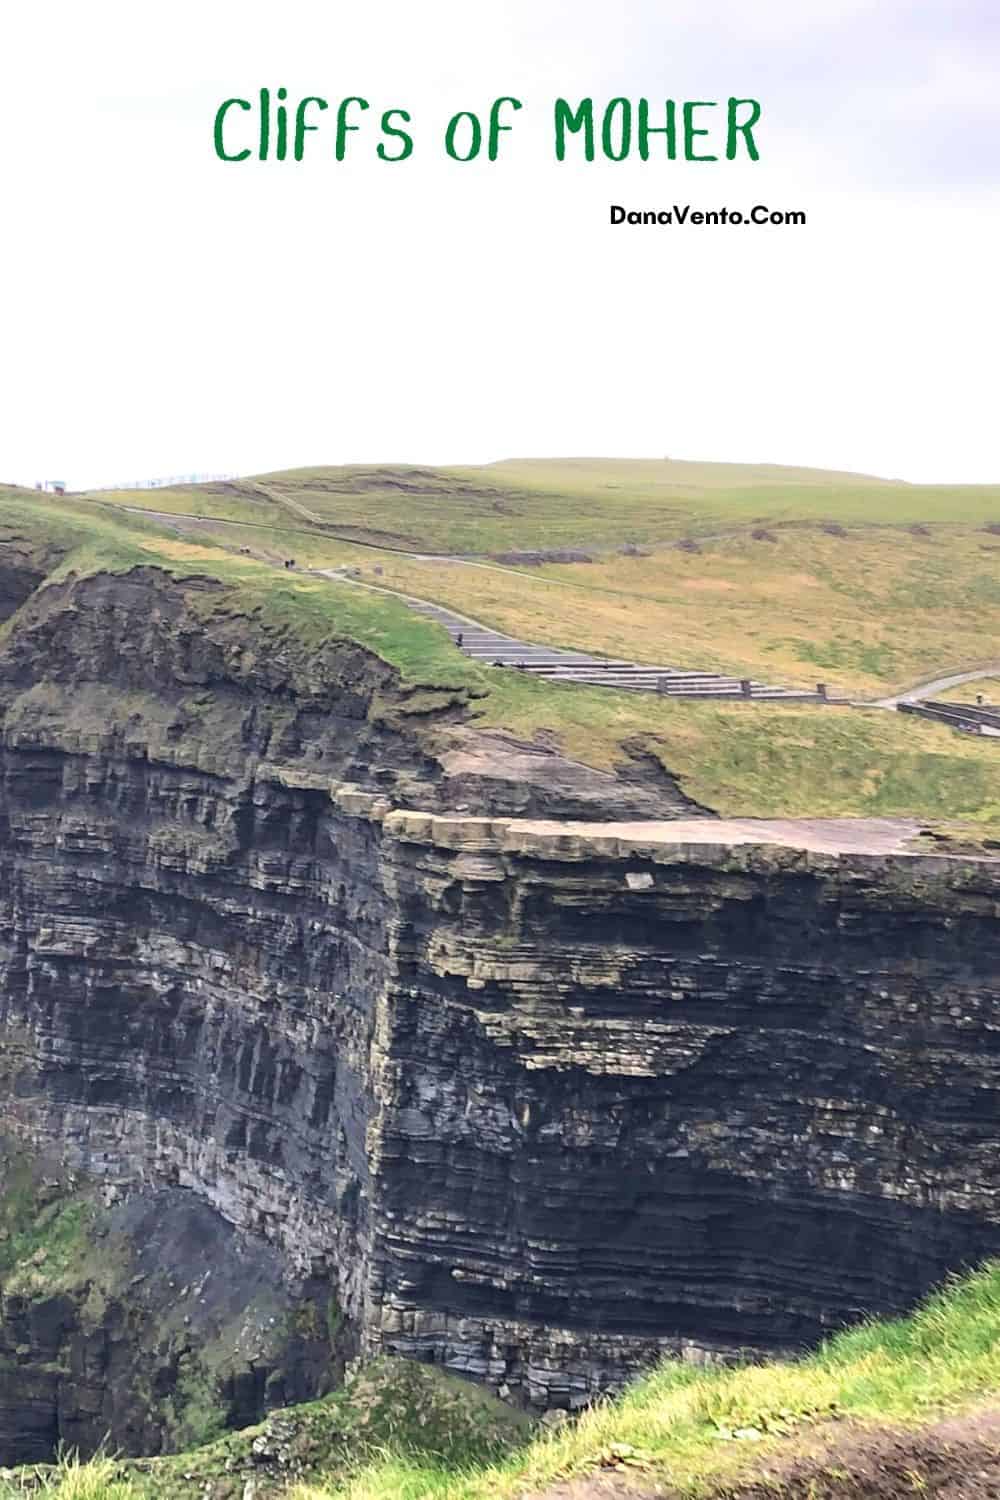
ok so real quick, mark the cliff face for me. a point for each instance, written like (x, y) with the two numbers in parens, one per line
(646, 1094)
(536, 1101)
(145, 1322)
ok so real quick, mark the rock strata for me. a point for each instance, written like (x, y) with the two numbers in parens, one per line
(538, 1101)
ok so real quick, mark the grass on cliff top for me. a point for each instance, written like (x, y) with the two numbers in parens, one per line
(738, 759)
(797, 574)
(390, 1406)
(525, 504)
(419, 1436)
(867, 612)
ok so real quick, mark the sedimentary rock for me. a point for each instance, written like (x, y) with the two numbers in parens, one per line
(537, 1101)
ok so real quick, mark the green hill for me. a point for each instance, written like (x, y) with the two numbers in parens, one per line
(867, 612)
(544, 503)
(787, 575)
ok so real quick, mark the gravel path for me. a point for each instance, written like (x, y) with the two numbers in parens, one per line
(568, 666)
(938, 685)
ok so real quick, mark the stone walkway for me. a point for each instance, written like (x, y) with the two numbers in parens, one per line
(556, 665)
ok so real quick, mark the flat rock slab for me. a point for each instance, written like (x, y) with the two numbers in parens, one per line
(824, 835)
(682, 839)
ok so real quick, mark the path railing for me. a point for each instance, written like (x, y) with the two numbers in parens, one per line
(160, 484)
(969, 717)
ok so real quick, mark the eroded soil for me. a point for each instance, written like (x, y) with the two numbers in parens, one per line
(956, 1459)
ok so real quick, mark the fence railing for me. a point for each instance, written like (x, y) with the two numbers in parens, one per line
(160, 484)
(970, 717)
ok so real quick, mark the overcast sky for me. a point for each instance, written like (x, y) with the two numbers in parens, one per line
(163, 312)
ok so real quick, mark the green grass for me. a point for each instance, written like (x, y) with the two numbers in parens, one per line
(409, 1433)
(772, 760)
(415, 1412)
(71, 1479)
(602, 502)
(801, 574)
(988, 688)
(679, 1422)
(867, 612)
(539, 503)
(85, 533)
(738, 759)
(237, 500)
(44, 1224)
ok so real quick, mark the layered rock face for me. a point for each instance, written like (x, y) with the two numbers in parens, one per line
(146, 1325)
(538, 1101)
(650, 1095)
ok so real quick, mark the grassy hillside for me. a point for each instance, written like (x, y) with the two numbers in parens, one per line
(866, 612)
(602, 503)
(741, 759)
(968, 692)
(790, 575)
(410, 1434)
(598, 503)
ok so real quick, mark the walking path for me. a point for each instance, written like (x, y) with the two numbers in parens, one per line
(485, 644)
(937, 685)
(482, 643)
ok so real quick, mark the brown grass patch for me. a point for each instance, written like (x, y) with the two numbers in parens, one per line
(185, 551)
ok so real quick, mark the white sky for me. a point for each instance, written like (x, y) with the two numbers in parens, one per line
(164, 313)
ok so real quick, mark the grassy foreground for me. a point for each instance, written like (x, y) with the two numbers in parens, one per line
(693, 1429)
(690, 1431)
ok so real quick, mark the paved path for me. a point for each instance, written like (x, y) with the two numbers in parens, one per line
(483, 643)
(938, 685)
(557, 665)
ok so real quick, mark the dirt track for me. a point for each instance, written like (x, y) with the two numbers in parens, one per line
(957, 1459)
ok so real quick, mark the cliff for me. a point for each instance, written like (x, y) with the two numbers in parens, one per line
(141, 1322)
(534, 1100)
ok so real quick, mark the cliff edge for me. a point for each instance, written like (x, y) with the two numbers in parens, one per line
(531, 1096)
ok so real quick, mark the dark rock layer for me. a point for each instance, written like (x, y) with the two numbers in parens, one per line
(708, 1097)
(541, 1103)
(147, 1325)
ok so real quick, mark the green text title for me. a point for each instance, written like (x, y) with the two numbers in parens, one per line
(272, 127)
